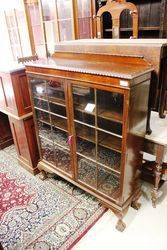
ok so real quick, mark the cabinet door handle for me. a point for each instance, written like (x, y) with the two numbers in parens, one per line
(69, 141)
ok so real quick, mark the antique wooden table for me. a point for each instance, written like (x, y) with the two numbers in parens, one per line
(156, 144)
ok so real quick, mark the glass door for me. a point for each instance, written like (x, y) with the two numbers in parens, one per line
(98, 131)
(51, 120)
(65, 19)
(84, 18)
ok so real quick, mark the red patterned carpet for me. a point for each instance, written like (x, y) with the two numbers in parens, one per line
(41, 215)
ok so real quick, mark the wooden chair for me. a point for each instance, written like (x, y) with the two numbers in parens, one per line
(115, 8)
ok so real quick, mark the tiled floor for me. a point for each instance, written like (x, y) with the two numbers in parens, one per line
(146, 228)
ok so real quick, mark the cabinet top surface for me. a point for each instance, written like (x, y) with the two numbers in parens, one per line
(99, 64)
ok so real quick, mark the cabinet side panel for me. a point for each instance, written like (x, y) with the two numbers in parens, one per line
(22, 96)
(137, 127)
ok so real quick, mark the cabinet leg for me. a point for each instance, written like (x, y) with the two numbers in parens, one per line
(44, 175)
(148, 129)
(154, 193)
(120, 225)
(136, 205)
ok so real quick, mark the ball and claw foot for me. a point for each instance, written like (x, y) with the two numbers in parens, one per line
(120, 225)
(43, 175)
(136, 205)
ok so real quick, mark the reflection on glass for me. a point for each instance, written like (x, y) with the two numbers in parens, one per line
(86, 148)
(62, 158)
(55, 91)
(39, 88)
(87, 171)
(44, 130)
(64, 9)
(84, 18)
(60, 137)
(65, 28)
(84, 104)
(42, 116)
(107, 183)
(41, 104)
(47, 150)
(109, 158)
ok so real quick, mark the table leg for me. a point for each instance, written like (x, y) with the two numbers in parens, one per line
(157, 173)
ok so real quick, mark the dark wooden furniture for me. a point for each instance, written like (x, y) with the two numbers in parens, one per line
(15, 102)
(6, 138)
(152, 19)
(116, 8)
(156, 144)
(153, 50)
(87, 108)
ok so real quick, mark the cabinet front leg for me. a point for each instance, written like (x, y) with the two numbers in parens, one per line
(43, 175)
(120, 225)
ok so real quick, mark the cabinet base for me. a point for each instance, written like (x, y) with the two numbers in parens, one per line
(28, 167)
(6, 143)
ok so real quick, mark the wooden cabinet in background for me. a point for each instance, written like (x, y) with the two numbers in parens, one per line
(15, 102)
(6, 138)
(88, 110)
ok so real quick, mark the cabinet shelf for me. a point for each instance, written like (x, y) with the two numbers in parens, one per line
(107, 141)
(49, 112)
(53, 100)
(145, 28)
(111, 115)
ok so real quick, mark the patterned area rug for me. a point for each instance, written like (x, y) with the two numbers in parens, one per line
(36, 214)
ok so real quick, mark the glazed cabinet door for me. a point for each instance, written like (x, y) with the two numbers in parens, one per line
(98, 139)
(50, 102)
(84, 18)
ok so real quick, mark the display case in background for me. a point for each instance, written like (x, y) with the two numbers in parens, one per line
(152, 20)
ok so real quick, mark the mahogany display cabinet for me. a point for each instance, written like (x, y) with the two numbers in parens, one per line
(88, 110)
(15, 103)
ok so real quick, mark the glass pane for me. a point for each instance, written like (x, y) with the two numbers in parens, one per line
(47, 150)
(108, 183)
(39, 103)
(86, 148)
(48, 8)
(59, 122)
(65, 29)
(109, 105)
(84, 18)
(84, 8)
(60, 137)
(84, 104)
(84, 25)
(64, 9)
(55, 91)
(42, 116)
(109, 158)
(62, 159)
(39, 88)
(44, 130)
(87, 172)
